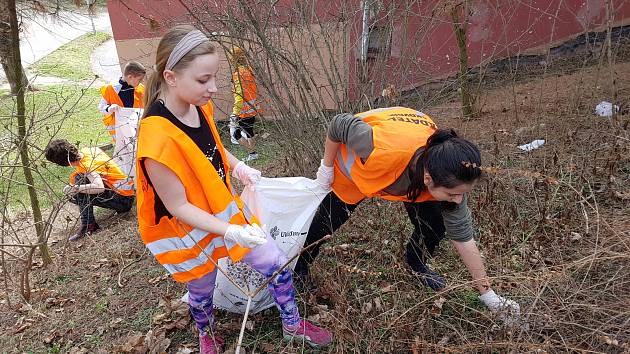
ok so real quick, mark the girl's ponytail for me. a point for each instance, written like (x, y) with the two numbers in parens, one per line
(440, 136)
(152, 90)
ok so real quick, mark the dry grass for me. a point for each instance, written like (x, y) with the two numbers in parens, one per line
(558, 245)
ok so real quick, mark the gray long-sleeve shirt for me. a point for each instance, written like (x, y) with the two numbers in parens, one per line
(357, 135)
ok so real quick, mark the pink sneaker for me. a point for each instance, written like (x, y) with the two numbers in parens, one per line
(307, 332)
(209, 346)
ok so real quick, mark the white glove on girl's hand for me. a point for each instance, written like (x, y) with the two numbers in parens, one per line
(247, 236)
(508, 310)
(113, 108)
(256, 230)
(325, 175)
(246, 174)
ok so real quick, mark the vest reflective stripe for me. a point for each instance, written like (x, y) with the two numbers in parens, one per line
(248, 107)
(192, 238)
(124, 185)
(175, 243)
(346, 166)
(228, 213)
(200, 260)
(248, 213)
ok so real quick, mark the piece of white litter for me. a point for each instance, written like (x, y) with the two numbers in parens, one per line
(605, 109)
(533, 145)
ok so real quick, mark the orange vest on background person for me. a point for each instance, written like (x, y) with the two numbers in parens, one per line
(245, 77)
(111, 96)
(182, 249)
(397, 133)
(95, 160)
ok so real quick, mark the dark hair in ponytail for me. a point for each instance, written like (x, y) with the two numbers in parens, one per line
(450, 161)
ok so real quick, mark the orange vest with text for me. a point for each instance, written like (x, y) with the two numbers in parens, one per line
(111, 96)
(185, 251)
(245, 77)
(95, 160)
(397, 133)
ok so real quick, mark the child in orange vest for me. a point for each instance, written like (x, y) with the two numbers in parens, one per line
(188, 213)
(96, 181)
(399, 154)
(127, 92)
(245, 107)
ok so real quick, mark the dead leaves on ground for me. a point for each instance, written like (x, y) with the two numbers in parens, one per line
(150, 343)
(175, 315)
(436, 308)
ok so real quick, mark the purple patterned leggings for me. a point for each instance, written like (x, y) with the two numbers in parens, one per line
(266, 259)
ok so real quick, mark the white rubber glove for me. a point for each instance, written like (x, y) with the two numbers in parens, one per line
(113, 108)
(256, 230)
(325, 175)
(70, 190)
(508, 310)
(245, 236)
(246, 174)
(233, 121)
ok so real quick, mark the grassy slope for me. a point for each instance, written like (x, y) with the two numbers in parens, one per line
(60, 111)
(72, 60)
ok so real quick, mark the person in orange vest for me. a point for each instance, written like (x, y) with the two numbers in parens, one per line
(189, 214)
(245, 106)
(96, 181)
(399, 154)
(127, 92)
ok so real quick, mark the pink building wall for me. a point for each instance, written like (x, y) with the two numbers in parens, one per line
(422, 47)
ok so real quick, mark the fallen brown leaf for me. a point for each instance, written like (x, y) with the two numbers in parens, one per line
(622, 195)
(156, 342)
(436, 309)
(134, 344)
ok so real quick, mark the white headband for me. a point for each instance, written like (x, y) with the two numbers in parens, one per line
(185, 45)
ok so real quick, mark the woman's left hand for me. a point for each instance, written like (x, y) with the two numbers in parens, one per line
(246, 174)
(508, 310)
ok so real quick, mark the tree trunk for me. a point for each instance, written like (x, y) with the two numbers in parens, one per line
(9, 12)
(6, 58)
(460, 27)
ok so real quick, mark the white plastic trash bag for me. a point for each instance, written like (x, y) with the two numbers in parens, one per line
(605, 109)
(125, 149)
(532, 146)
(286, 206)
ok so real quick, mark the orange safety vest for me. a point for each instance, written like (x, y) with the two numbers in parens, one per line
(110, 95)
(95, 160)
(397, 133)
(245, 77)
(186, 252)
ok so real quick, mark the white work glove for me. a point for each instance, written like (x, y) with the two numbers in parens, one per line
(246, 174)
(508, 310)
(325, 175)
(233, 120)
(248, 236)
(70, 190)
(113, 108)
